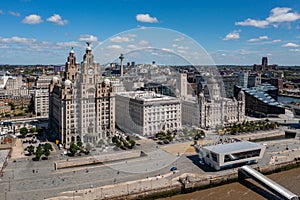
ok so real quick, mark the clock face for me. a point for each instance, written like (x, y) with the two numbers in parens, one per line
(90, 71)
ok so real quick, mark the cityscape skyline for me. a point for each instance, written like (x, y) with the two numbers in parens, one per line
(38, 32)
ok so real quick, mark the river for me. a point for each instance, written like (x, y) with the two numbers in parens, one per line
(289, 179)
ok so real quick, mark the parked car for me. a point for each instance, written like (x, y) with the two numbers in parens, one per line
(173, 168)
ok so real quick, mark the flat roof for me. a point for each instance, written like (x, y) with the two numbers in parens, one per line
(232, 147)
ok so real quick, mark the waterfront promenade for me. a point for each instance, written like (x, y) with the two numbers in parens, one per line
(27, 179)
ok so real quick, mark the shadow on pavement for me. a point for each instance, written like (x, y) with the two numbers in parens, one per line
(195, 159)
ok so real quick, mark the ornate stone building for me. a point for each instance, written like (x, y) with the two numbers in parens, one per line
(147, 113)
(81, 104)
(211, 109)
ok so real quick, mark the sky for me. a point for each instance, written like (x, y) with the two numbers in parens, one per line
(229, 32)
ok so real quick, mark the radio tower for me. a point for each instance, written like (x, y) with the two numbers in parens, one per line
(121, 58)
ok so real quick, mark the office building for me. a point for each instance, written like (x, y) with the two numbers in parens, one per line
(147, 113)
(81, 104)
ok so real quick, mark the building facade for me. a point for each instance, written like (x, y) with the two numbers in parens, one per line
(147, 113)
(214, 109)
(40, 95)
(81, 105)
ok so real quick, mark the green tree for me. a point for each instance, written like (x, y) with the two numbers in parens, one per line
(46, 152)
(114, 139)
(79, 143)
(30, 149)
(32, 130)
(48, 146)
(23, 131)
(73, 148)
(128, 138)
(132, 143)
(39, 152)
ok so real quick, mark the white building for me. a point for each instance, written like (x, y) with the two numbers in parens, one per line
(222, 156)
(211, 109)
(40, 95)
(147, 113)
(181, 84)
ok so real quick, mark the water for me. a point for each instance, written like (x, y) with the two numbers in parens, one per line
(284, 99)
(288, 179)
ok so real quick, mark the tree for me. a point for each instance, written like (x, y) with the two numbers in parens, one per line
(23, 131)
(114, 139)
(46, 153)
(73, 148)
(32, 130)
(132, 143)
(48, 146)
(79, 143)
(128, 138)
(30, 149)
(39, 152)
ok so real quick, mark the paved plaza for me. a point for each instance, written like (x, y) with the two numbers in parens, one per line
(27, 179)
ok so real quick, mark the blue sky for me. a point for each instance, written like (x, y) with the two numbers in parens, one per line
(232, 32)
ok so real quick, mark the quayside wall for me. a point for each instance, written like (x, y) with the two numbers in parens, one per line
(190, 184)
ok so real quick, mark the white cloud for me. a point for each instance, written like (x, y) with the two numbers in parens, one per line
(277, 15)
(275, 41)
(16, 14)
(69, 44)
(132, 46)
(56, 19)
(295, 50)
(88, 38)
(32, 19)
(290, 44)
(143, 43)
(178, 39)
(114, 47)
(16, 39)
(146, 18)
(260, 38)
(282, 15)
(182, 47)
(121, 39)
(1, 12)
(234, 35)
(253, 22)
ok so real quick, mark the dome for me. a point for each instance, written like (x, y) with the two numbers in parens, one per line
(55, 79)
(68, 82)
(72, 52)
(89, 48)
(106, 81)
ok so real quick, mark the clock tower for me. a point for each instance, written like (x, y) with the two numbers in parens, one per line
(89, 68)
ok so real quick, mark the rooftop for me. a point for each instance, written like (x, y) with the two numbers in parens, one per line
(233, 147)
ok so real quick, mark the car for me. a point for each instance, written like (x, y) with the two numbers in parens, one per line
(173, 168)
